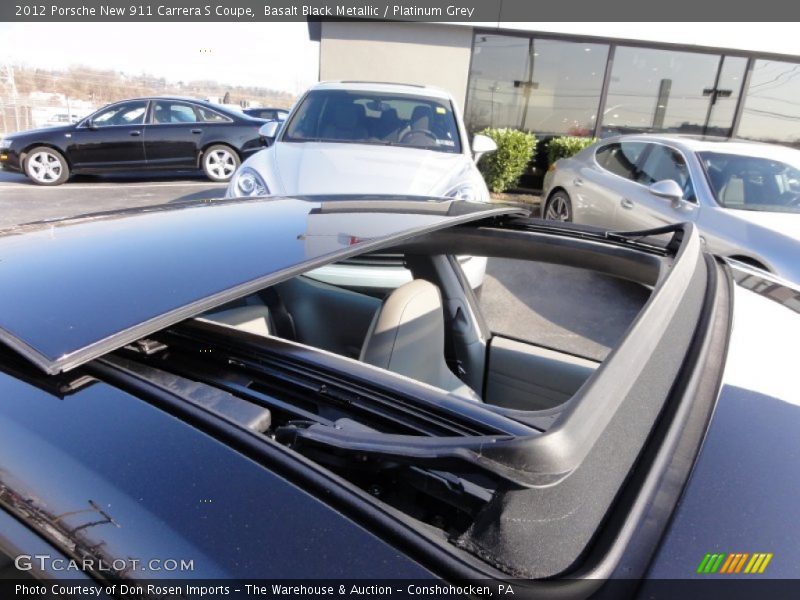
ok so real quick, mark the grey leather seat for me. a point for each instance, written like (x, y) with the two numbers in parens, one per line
(252, 319)
(345, 123)
(407, 337)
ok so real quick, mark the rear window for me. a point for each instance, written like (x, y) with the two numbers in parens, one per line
(211, 116)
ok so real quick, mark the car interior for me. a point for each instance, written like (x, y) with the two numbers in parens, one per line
(429, 330)
(419, 122)
(749, 182)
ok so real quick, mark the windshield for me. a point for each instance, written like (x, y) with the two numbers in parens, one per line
(753, 183)
(355, 117)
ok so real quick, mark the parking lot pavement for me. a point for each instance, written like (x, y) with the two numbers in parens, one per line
(23, 202)
(560, 307)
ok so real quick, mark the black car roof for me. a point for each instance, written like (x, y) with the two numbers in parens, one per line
(76, 289)
(215, 106)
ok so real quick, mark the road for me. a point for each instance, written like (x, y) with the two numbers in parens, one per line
(565, 308)
(23, 202)
(561, 307)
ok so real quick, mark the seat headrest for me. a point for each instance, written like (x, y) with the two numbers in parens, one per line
(390, 114)
(407, 337)
(252, 319)
(345, 115)
(411, 314)
(421, 117)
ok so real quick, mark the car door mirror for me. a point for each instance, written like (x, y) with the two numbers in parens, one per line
(268, 131)
(668, 189)
(482, 144)
(90, 124)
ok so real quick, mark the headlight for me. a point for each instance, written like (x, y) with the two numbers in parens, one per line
(249, 183)
(5, 143)
(464, 191)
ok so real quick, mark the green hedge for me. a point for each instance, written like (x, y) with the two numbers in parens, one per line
(503, 168)
(566, 146)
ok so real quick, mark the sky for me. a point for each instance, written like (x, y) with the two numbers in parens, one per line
(280, 55)
(271, 55)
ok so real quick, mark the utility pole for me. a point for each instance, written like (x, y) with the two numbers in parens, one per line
(7, 79)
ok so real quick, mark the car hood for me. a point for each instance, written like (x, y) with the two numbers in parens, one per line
(318, 168)
(41, 130)
(785, 223)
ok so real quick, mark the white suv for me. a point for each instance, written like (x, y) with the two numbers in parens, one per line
(357, 138)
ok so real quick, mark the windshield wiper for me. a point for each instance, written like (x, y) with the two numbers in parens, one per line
(303, 140)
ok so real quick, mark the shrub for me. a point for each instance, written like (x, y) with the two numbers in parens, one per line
(503, 168)
(566, 146)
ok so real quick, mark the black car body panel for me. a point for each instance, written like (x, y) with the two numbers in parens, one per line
(148, 145)
(744, 493)
(103, 474)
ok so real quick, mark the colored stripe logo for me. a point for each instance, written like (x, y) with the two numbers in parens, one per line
(734, 562)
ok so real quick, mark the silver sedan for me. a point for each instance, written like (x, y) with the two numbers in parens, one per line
(743, 196)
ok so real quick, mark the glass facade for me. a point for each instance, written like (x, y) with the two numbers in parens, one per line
(563, 86)
(726, 96)
(663, 90)
(772, 103)
(542, 85)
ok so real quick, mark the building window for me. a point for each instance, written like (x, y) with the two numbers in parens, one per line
(549, 87)
(726, 95)
(664, 90)
(772, 104)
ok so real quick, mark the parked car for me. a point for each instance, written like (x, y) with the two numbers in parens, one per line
(173, 369)
(370, 138)
(61, 119)
(743, 196)
(269, 114)
(140, 134)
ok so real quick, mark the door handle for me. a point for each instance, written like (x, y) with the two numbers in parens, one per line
(577, 182)
(136, 133)
(197, 131)
(625, 203)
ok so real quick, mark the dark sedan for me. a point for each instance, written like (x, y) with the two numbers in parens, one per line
(137, 134)
(176, 384)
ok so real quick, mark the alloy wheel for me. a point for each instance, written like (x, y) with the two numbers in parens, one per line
(557, 209)
(220, 163)
(44, 167)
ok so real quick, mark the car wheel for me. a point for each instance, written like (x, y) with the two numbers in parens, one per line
(559, 207)
(45, 166)
(220, 162)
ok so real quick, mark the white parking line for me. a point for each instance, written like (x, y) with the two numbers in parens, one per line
(100, 186)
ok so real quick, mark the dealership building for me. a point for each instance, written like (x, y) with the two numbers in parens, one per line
(587, 79)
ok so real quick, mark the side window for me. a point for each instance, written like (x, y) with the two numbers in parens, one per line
(128, 113)
(174, 112)
(620, 158)
(210, 116)
(666, 163)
